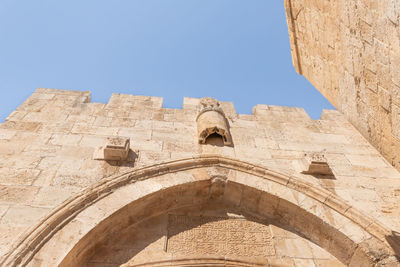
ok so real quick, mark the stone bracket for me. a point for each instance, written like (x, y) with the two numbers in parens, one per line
(116, 149)
(318, 165)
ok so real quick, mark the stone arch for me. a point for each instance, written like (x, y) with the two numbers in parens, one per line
(73, 230)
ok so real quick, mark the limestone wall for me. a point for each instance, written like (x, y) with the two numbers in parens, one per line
(350, 51)
(47, 147)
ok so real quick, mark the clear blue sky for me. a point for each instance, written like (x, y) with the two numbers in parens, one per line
(234, 50)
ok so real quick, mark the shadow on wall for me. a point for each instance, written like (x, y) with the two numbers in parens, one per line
(129, 162)
(215, 140)
(394, 242)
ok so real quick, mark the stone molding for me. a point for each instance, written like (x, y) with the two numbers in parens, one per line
(200, 262)
(22, 252)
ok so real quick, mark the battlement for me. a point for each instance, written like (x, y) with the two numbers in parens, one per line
(150, 125)
(53, 105)
(62, 117)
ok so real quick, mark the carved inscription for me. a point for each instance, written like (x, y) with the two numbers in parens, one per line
(190, 235)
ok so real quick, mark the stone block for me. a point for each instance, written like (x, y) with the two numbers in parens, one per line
(190, 103)
(21, 126)
(6, 134)
(328, 263)
(318, 165)
(367, 160)
(294, 248)
(12, 176)
(62, 139)
(136, 133)
(149, 145)
(396, 121)
(23, 215)
(75, 152)
(52, 196)
(153, 157)
(116, 149)
(11, 148)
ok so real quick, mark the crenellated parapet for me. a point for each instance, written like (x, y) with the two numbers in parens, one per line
(58, 144)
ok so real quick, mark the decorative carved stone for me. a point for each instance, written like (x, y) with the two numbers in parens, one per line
(318, 165)
(211, 120)
(210, 104)
(222, 236)
(116, 149)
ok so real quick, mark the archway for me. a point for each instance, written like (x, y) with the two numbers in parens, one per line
(73, 234)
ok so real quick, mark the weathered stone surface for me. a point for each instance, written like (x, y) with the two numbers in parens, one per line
(187, 200)
(350, 51)
(47, 165)
(211, 123)
(318, 165)
(116, 149)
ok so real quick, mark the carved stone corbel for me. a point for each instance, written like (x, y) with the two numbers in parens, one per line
(318, 165)
(211, 120)
(116, 149)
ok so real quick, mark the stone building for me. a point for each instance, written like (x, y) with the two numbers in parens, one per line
(130, 183)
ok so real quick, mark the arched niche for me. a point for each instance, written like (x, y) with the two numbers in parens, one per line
(212, 124)
(81, 226)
